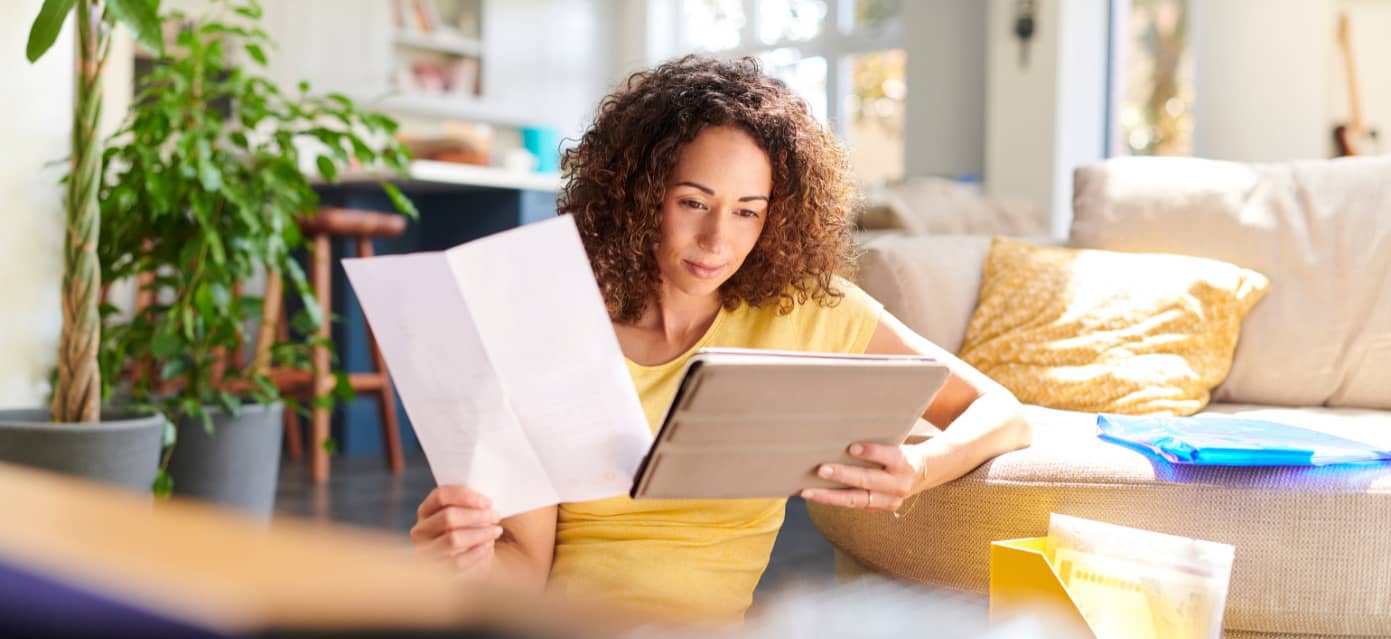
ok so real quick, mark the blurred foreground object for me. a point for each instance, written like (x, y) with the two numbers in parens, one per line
(78, 560)
(1112, 582)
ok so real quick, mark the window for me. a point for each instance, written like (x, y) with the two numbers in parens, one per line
(1152, 74)
(844, 57)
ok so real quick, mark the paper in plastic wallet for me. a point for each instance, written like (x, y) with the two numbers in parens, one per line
(1222, 440)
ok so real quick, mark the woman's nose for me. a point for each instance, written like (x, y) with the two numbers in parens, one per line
(712, 231)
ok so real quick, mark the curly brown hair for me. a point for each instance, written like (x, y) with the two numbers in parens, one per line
(618, 173)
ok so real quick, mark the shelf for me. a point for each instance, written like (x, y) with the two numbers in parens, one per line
(451, 45)
(469, 175)
(456, 107)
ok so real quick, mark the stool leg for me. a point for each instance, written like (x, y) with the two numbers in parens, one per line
(275, 321)
(391, 432)
(294, 436)
(323, 377)
(386, 400)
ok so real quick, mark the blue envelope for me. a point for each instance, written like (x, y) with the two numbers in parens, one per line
(1223, 440)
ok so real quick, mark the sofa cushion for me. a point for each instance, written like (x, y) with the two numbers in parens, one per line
(929, 282)
(1313, 549)
(1320, 230)
(1101, 331)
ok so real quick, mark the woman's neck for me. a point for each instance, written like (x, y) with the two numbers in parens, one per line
(677, 316)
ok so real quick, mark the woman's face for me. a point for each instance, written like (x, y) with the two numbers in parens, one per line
(715, 207)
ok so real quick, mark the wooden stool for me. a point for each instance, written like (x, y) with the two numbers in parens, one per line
(329, 224)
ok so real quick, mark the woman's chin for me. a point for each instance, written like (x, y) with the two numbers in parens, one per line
(698, 287)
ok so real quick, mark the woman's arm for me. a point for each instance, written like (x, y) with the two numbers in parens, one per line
(457, 524)
(979, 420)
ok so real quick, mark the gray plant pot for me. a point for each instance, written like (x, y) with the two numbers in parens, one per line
(121, 450)
(237, 464)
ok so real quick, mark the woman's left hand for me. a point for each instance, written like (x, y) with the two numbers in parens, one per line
(884, 489)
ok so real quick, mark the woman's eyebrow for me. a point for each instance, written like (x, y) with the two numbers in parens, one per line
(709, 191)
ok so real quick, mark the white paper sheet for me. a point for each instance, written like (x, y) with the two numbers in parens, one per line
(507, 365)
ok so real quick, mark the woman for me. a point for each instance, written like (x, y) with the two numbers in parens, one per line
(715, 211)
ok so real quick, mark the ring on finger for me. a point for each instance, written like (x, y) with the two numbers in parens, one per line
(869, 498)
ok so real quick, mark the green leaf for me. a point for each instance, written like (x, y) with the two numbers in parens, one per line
(251, 10)
(47, 24)
(342, 388)
(170, 436)
(164, 484)
(400, 201)
(221, 296)
(361, 151)
(326, 168)
(203, 299)
(256, 54)
(186, 315)
(229, 403)
(142, 18)
(311, 311)
(382, 122)
(331, 446)
(165, 344)
(173, 368)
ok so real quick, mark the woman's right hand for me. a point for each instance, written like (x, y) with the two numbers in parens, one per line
(457, 524)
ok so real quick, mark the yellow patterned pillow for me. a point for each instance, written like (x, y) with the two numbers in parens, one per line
(1102, 331)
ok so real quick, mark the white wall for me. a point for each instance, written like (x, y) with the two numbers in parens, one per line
(554, 57)
(1046, 118)
(944, 132)
(1262, 86)
(34, 130)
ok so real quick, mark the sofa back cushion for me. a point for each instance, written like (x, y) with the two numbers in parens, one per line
(1320, 230)
(929, 282)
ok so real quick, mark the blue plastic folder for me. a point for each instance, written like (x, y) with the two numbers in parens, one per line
(1220, 440)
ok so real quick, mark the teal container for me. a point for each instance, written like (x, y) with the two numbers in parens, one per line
(544, 143)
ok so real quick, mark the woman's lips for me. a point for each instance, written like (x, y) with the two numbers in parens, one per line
(703, 271)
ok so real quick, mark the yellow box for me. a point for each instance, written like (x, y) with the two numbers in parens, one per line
(1023, 582)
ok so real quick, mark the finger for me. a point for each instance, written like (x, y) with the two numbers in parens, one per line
(449, 518)
(856, 498)
(890, 457)
(860, 477)
(452, 495)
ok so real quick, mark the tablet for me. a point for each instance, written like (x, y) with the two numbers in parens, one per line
(757, 423)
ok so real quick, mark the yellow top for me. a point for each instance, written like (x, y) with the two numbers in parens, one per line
(697, 560)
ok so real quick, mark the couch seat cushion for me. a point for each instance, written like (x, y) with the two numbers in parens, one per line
(1313, 545)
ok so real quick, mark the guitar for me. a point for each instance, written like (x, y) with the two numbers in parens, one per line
(1352, 137)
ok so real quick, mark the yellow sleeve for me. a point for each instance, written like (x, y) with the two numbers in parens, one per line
(843, 328)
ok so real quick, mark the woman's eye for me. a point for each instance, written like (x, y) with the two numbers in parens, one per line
(692, 204)
(748, 213)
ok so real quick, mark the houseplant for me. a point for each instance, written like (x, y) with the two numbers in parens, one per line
(202, 192)
(73, 436)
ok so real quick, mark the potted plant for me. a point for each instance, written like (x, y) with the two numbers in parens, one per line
(202, 194)
(75, 435)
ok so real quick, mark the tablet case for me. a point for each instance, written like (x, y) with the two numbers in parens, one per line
(757, 424)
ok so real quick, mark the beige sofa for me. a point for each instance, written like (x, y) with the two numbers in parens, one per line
(1313, 545)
